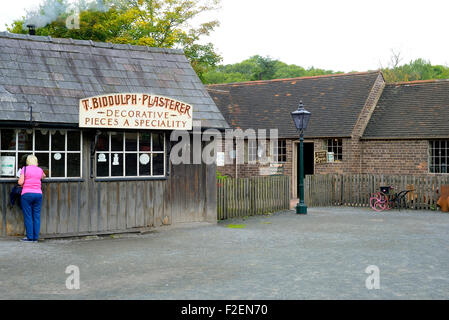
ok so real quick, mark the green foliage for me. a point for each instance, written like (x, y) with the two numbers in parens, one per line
(157, 23)
(237, 226)
(220, 176)
(418, 69)
(258, 67)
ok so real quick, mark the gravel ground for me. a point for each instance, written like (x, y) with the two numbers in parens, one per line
(322, 255)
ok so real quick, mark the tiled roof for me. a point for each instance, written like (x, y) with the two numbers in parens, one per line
(53, 74)
(334, 100)
(418, 109)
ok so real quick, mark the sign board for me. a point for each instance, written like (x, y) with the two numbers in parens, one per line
(220, 159)
(135, 111)
(330, 157)
(273, 169)
(8, 165)
(320, 157)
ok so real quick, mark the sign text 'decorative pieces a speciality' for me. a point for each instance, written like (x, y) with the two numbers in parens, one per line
(135, 111)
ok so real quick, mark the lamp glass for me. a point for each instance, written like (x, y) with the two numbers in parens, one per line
(301, 118)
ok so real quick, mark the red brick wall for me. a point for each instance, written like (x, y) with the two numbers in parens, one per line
(395, 157)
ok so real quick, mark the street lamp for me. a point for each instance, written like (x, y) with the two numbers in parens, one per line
(301, 118)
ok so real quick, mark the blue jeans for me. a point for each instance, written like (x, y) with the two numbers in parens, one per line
(31, 207)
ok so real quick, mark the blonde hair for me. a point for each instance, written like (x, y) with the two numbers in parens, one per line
(32, 160)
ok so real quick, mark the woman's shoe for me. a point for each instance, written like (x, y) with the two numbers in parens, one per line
(26, 240)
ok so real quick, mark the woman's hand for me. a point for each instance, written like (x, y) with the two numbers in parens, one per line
(21, 180)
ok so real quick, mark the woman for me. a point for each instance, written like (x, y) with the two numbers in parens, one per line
(31, 181)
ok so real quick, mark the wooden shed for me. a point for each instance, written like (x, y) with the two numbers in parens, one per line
(98, 116)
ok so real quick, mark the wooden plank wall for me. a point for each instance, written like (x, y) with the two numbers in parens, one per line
(91, 207)
(243, 197)
(355, 190)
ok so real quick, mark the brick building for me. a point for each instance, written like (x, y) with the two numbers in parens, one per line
(364, 124)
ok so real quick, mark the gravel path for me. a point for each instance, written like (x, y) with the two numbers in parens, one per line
(322, 255)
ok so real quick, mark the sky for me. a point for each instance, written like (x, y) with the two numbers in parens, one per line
(340, 35)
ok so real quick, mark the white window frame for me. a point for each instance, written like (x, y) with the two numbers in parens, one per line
(110, 154)
(334, 146)
(275, 147)
(49, 151)
(433, 150)
(252, 151)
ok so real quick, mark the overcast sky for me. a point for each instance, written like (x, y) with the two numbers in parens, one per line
(343, 35)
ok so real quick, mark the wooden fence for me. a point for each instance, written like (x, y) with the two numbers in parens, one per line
(252, 196)
(355, 190)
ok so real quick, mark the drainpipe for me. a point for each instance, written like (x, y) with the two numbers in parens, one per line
(236, 155)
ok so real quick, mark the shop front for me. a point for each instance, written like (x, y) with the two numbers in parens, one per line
(105, 151)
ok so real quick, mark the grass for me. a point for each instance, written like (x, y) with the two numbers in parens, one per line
(237, 226)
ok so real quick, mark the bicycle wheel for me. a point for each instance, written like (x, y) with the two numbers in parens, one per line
(378, 202)
(385, 201)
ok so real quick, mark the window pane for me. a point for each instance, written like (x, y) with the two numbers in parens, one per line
(25, 140)
(57, 165)
(102, 165)
(131, 164)
(131, 141)
(252, 150)
(73, 165)
(158, 164)
(103, 142)
(117, 164)
(145, 164)
(74, 140)
(58, 141)
(158, 142)
(43, 160)
(8, 139)
(22, 159)
(116, 141)
(8, 165)
(42, 140)
(145, 141)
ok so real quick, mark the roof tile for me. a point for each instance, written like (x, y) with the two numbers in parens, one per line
(53, 74)
(335, 102)
(411, 110)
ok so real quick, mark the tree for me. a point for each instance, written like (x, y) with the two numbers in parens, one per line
(258, 67)
(419, 69)
(156, 23)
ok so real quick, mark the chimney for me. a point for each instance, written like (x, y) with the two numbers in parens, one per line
(31, 29)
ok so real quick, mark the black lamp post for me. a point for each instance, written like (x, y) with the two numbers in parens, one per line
(301, 118)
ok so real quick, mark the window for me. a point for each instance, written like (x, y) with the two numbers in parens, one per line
(58, 151)
(255, 150)
(130, 154)
(439, 156)
(252, 150)
(335, 146)
(280, 151)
